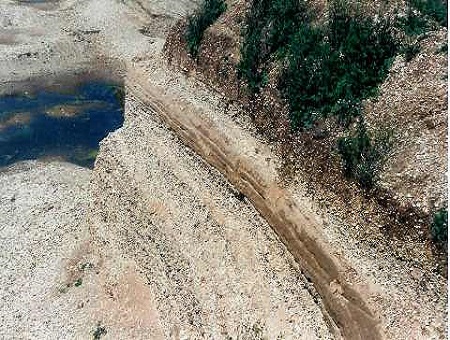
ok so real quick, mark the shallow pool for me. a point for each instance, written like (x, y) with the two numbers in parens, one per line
(65, 125)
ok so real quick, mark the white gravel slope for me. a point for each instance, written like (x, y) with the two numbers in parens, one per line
(215, 267)
(42, 212)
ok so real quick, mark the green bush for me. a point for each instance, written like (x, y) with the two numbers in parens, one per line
(251, 49)
(421, 14)
(330, 68)
(99, 331)
(439, 227)
(437, 9)
(413, 24)
(443, 49)
(269, 28)
(209, 12)
(285, 18)
(304, 82)
(337, 66)
(362, 53)
(363, 155)
(410, 51)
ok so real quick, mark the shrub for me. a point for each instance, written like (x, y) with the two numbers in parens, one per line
(209, 12)
(269, 28)
(437, 9)
(413, 24)
(363, 155)
(443, 49)
(410, 51)
(251, 49)
(331, 70)
(362, 56)
(304, 82)
(99, 331)
(439, 227)
(285, 18)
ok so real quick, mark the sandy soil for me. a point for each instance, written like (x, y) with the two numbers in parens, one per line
(34, 43)
(408, 296)
(214, 265)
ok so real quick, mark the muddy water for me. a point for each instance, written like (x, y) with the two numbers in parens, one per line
(59, 124)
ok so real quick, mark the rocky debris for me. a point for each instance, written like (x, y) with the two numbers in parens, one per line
(173, 244)
(376, 262)
(43, 207)
(414, 99)
(216, 267)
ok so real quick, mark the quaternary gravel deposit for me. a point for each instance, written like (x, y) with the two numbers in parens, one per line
(154, 242)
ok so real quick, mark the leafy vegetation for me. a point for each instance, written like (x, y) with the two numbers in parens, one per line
(443, 49)
(439, 227)
(303, 82)
(363, 155)
(209, 12)
(410, 51)
(436, 9)
(413, 24)
(345, 65)
(99, 331)
(251, 51)
(330, 68)
(270, 26)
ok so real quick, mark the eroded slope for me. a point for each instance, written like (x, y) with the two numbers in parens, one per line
(214, 265)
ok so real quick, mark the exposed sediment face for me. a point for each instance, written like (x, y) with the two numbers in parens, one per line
(174, 249)
(361, 301)
(344, 299)
(215, 266)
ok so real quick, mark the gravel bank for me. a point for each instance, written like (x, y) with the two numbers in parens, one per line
(214, 265)
(154, 243)
(42, 211)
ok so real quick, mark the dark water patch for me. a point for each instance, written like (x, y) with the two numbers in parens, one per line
(40, 4)
(102, 70)
(62, 124)
(37, 2)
